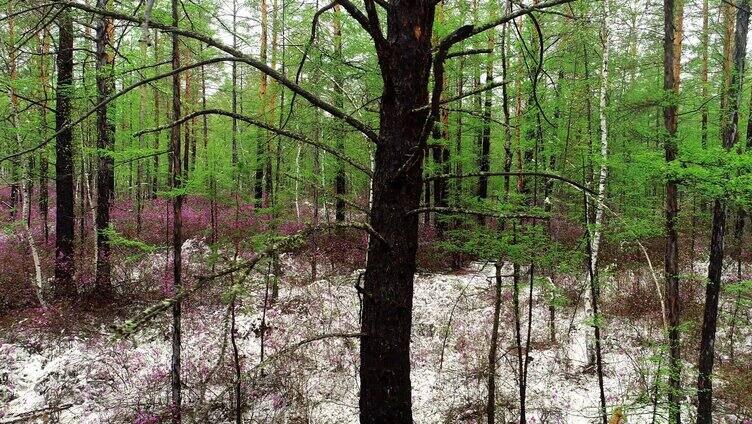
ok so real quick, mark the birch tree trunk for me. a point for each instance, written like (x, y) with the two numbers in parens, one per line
(39, 283)
(600, 204)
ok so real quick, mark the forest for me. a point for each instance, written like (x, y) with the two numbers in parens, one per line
(375, 211)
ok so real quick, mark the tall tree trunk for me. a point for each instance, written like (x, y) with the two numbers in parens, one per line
(728, 11)
(518, 116)
(600, 205)
(441, 157)
(715, 268)
(678, 39)
(81, 196)
(26, 192)
(705, 42)
(491, 402)
(87, 182)
(704, 45)
(427, 199)
(340, 183)
(670, 86)
(590, 175)
(143, 91)
(276, 116)
(457, 198)
(441, 153)
(273, 180)
(484, 162)
(265, 108)
(157, 134)
(65, 216)
(478, 112)
(234, 158)
(40, 284)
(508, 153)
(316, 153)
(493, 349)
(234, 87)
(44, 193)
(12, 53)
(187, 124)
(208, 165)
(405, 59)
(262, 153)
(521, 386)
(177, 221)
(105, 148)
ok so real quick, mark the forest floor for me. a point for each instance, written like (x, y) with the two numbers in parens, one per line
(55, 371)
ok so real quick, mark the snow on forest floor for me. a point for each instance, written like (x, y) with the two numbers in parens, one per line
(91, 378)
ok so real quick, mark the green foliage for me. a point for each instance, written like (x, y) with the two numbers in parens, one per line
(117, 239)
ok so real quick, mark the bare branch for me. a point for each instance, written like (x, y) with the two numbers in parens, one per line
(571, 182)
(468, 53)
(304, 342)
(482, 89)
(245, 58)
(284, 244)
(384, 4)
(492, 214)
(260, 124)
(356, 14)
(463, 33)
(373, 18)
(112, 98)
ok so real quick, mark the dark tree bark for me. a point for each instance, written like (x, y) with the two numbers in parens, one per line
(441, 153)
(440, 190)
(705, 42)
(15, 192)
(177, 224)
(105, 147)
(64, 185)
(491, 403)
(715, 269)
(209, 167)
(484, 162)
(236, 363)
(427, 199)
(729, 12)
(672, 210)
(508, 154)
(258, 188)
(457, 197)
(187, 124)
(340, 182)
(263, 152)
(492, 351)
(479, 130)
(157, 134)
(44, 193)
(521, 386)
(235, 96)
(405, 60)
(593, 276)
